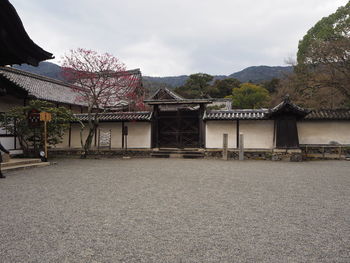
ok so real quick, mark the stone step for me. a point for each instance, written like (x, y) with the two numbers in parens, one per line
(193, 156)
(25, 166)
(19, 161)
(177, 154)
(160, 155)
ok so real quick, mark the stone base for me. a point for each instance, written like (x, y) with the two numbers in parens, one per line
(294, 155)
(105, 153)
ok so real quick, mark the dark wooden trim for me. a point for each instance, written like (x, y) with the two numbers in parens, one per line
(6, 135)
(155, 127)
(274, 133)
(237, 134)
(123, 127)
(70, 136)
(201, 126)
(96, 136)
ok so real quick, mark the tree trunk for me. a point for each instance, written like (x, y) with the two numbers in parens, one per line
(93, 123)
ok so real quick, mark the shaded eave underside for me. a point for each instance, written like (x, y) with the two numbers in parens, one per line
(178, 102)
(16, 47)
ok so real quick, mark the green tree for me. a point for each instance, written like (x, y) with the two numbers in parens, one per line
(196, 86)
(324, 53)
(249, 96)
(272, 85)
(16, 122)
(223, 88)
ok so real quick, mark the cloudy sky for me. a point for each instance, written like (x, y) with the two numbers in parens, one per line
(166, 38)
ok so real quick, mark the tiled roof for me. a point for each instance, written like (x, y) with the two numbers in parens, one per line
(286, 106)
(119, 116)
(42, 87)
(327, 114)
(249, 114)
(165, 94)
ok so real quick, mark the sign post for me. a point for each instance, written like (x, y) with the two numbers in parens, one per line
(45, 117)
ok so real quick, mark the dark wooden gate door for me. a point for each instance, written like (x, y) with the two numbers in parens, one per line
(287, 133)
(179, 129)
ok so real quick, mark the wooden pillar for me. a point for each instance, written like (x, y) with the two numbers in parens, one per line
(201, 126)
(155, 127)
(237, 134)
(70, 135)
(123, 127)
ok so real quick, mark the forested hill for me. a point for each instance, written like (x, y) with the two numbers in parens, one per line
(259, 74)
(46, 69)
(254, 74)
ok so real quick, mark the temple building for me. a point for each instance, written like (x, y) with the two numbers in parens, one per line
(178, 123)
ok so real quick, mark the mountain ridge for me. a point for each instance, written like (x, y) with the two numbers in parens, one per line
(255, 74)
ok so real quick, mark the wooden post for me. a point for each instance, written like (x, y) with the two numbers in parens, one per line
(241, 147)
(237, 133)
(45, 136)
(224, 147)
(45, 117)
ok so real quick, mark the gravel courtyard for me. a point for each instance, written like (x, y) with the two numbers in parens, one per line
(176, 210)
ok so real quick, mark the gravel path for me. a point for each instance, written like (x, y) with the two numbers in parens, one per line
(174, 210)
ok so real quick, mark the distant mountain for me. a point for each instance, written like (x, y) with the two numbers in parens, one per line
(256, 74)
(259, 74)
(175, 81)
(46, 69)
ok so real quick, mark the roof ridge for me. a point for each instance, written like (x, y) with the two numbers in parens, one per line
(36, 76)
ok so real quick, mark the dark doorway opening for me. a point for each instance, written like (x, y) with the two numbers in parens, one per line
(179, 129)
(287, 133)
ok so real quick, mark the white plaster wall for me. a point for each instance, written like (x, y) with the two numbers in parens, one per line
(139, 134)
(323, 132)
(65, 141)
(75, 139)
(116, 132)
(9, 143)
(258, 134)
(215, 131)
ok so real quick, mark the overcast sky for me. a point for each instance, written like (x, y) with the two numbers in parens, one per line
(166, 38)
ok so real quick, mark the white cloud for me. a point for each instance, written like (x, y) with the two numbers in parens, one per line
(164, 37)
(156, 58)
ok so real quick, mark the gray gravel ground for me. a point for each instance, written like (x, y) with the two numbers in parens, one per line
(175, 210)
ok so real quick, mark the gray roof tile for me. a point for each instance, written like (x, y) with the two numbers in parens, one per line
(42, 87)
(249, 114)
(119, 116)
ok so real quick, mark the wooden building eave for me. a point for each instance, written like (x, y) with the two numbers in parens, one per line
(178, 102)
(16, 47)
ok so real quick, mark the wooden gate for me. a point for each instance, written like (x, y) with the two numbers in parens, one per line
(179, 129)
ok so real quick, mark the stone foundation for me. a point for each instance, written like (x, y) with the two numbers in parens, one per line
(105, 153)
(268, 154)
(314, 152)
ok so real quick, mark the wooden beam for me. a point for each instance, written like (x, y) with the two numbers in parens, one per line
(201, 127)
(123, 127)
(237, 134)
(70, 135)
